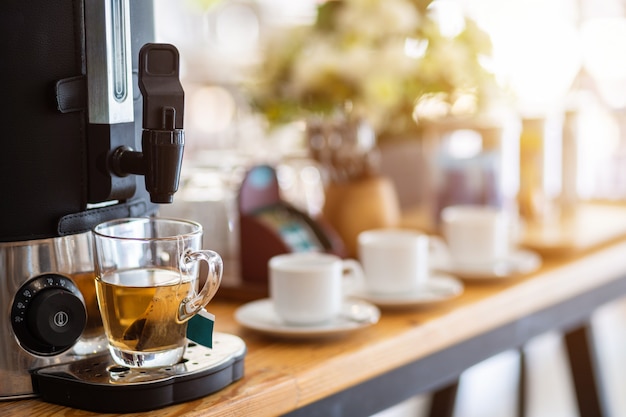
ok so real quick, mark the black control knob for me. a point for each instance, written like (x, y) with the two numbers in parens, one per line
(48, 314)
(56, 317)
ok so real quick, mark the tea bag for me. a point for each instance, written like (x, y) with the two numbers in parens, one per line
(157, 328)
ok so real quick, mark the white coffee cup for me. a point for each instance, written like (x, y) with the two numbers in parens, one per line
(308, 288)
(394, 260)
(476, 235)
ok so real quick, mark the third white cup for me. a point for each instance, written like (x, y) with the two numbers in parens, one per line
(477, 234)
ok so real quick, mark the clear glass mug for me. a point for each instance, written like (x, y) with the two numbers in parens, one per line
(148, 277)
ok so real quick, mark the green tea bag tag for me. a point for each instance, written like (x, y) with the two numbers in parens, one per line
(200, 328)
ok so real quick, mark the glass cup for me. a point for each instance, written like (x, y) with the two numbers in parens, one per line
(148, 272)
(74, 258)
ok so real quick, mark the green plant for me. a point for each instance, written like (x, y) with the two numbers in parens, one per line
(386, 60)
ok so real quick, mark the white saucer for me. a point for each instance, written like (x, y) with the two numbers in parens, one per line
(519, 262)
(439, 288)
(259, 315)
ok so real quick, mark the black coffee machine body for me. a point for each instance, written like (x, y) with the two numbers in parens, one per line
(92, 130)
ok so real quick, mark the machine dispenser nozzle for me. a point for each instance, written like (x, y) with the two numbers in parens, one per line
(163, 137)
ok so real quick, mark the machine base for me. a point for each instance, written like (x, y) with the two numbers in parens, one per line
(98, 384)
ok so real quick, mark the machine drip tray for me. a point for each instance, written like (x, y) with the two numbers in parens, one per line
(98, 384)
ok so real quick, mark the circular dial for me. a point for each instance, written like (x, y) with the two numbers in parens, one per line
(48, 314)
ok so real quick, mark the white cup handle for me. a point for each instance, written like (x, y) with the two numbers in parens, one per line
(353, 274)
(438, 253)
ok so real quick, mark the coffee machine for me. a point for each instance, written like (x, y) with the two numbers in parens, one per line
(92, 130)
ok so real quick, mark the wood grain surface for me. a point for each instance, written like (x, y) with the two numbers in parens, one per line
(281, 375)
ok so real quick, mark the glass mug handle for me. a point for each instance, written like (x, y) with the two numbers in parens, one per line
(192, 305)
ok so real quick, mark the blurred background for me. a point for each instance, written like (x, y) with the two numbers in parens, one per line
(548, 60)
(517, 103)
(514, 103)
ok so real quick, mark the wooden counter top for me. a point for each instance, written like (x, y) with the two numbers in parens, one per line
(282, 375)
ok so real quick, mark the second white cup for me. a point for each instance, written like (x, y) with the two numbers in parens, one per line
(477, 234)
(308, 288)
(394, 260)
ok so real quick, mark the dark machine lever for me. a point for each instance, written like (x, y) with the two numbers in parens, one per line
(163, 137)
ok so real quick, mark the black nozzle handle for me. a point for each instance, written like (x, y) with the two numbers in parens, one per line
(159, 82)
